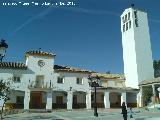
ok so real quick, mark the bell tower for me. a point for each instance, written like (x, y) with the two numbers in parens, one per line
(137, 54)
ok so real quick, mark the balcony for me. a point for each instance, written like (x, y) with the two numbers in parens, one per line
(40, 84)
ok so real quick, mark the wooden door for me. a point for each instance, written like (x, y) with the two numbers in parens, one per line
(74, 99)
(36, 100)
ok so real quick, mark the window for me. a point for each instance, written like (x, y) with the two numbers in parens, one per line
(129, 16)
(126, 26)
(79, 81)
(19, 99)
(16, 79)
(129, 24)
(60, 80)
(136, 19)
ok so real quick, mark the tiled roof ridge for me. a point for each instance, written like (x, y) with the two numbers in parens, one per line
(40, 52)
(13, 65)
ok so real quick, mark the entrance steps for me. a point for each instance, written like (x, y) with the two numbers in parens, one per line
(39, 111)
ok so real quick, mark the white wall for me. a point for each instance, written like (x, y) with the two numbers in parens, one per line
(112, 83)
(70, 81)
(14, 95)
(47, 70)
(25, 75)
(143, 48)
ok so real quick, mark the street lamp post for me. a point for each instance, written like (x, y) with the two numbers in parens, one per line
(159, 91)
(3, 47)
(94, 82)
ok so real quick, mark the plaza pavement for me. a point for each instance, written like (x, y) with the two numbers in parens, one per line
(104, 114)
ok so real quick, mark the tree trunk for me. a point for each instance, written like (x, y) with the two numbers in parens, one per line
(2, 110)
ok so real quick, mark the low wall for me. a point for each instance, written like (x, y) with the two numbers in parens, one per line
(13, 111)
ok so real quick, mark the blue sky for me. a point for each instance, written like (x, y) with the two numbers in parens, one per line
(86, 35)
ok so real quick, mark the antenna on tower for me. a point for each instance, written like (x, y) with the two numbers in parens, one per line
(132, 5)
(39, 49)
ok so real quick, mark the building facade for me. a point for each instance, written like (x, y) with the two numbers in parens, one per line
(39, 84)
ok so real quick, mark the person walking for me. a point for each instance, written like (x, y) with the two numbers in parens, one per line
(124, 111)
(130, 113)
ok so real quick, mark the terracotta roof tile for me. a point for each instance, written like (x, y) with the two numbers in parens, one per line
(109, 76)
(155, 80)
(12, 65)
(70, 69)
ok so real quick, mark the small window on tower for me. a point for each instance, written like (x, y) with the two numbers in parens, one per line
(136, 22)
(129, 16)
(124, 28)
(125, 17)
(135, 14)
(129, 24)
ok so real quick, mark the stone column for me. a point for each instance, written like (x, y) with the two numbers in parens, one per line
(106, 100)
(123, 98)
(138, 100)
(49, 100)
(159, 91)
(153, 90)
(88, 99)
(69, 100)
(27, 99)
(140, 97)
(154, 95)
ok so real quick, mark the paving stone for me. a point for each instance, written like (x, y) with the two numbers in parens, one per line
(104, 114)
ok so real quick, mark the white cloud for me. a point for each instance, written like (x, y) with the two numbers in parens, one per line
(30, 20)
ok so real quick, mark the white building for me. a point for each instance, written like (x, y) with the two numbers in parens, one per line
(39, 84)
(137, 54)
